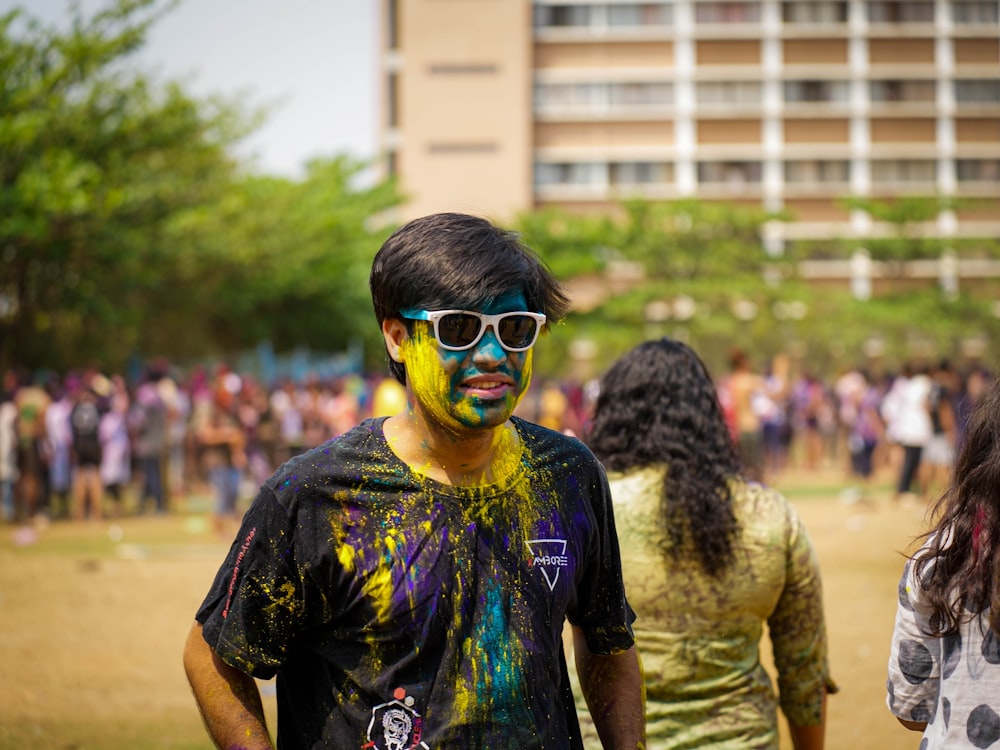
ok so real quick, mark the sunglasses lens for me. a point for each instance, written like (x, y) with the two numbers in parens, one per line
(458, 330)
(517, 331)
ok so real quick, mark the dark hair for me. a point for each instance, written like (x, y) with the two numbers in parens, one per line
(451, 260)
(963, 542)
(658, 406)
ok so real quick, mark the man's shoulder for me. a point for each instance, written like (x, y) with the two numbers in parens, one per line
(551, 445)
(348, 458)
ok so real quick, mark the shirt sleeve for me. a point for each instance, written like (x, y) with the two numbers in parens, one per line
(914, 656)
(255, 604)
(798, 632)
(602, 612)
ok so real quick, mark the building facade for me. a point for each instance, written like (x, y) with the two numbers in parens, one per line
(503, 106)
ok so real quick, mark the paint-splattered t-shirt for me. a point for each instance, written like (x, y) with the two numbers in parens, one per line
(698, 636)
(952, 683)
(400, 612)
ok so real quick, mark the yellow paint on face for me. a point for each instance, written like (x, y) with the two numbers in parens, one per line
(435, 375)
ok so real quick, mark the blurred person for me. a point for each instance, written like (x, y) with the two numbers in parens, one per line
(8, 448)
(342, 410)
(177, 403)
(223, 444)
(944, 663)
(939, 453)
(808, 401)
(85, 420)
(148, 427)
(409, 580)
(746, 389)
(116, 446)
(709, 557)
(31, 400)
(774, 422)
(906, 409)
(388, 398)
(866, 431)
(286, 403)
(59, 445)
(848, 389)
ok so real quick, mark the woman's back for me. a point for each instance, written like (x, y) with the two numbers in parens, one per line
(699, 634)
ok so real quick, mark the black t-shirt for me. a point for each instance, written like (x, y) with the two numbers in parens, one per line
(85, 423)
(399, 612)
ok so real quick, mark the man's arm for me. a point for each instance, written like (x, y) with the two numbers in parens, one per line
(615, 694)
(228, 698)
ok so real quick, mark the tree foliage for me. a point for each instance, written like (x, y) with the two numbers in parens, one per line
(128, 229)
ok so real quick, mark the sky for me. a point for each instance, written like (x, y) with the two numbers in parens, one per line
(313, 61)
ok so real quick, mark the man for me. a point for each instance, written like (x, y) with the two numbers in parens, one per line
(408, 582)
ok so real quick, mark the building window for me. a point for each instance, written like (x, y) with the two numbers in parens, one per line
(727, 12)
(567, 173)
(900, 12)
(889, 171)
(590, 15)
(730, 173)
(816, 91)
(981, 91)
(712, 93)
(814, 12)
(392, 101)
(563, 16)
(595, 97)
(641, 173)
(640, 94)
(641, 14)
(978, 170)
(975, 12)
(818, 171)
(461, 147)
(392, 23)
(462, 68)
(902, 91)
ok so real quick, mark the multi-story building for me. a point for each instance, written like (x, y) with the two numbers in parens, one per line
(503, 106)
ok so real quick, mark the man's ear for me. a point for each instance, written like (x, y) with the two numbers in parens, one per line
(394, 332)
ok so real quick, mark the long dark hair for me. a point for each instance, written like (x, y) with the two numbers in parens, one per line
(658, 406)
(964, 541)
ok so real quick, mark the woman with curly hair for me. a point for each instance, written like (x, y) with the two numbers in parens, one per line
(944, 667)
(708, 558)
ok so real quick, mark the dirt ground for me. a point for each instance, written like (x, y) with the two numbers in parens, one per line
(93, 618)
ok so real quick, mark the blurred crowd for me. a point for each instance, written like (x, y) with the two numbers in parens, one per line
(88, 444)
(900, 427)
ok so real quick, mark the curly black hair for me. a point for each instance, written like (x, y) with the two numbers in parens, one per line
(658, 406)
(964, 539)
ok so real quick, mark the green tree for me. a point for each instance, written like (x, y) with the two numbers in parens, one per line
(290, 261)
(95, 164)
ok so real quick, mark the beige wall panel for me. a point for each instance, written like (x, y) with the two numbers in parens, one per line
(983, 210)
(608, 54)
(978, 131)
(729, 131)
(977, 51)
(467, 136)
(900, 51)
(817, 131)
(815, 50)
(576, 134)
(903, 131)
(712, 52)
(816, 209)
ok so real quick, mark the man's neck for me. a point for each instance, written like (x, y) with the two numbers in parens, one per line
(473, 458)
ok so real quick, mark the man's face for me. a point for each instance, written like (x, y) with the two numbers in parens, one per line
(470, 389)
